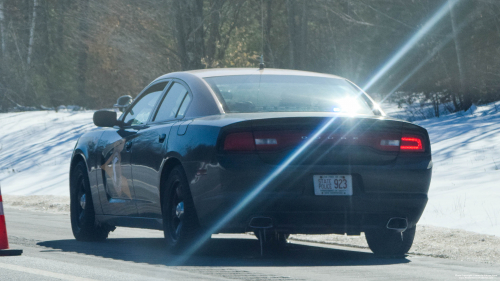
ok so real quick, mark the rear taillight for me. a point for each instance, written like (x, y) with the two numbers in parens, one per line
(281, 140)
(243, 141)
(412, 144)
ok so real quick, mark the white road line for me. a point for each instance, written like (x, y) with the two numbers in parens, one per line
(42, 272)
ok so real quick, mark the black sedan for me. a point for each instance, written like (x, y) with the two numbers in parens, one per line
(276, 152)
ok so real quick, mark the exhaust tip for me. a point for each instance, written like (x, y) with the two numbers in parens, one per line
(261, 222)
(398, 224)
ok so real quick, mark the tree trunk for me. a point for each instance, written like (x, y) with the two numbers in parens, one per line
(32, 33)
(179, 34)
(2, 28)
(61, 13)
(83, 28)
(214, 33)
(268, 52)
(297, 32)
(189, 33)
(46, 54)
(463, 88)
(290, 7)
(302, 40)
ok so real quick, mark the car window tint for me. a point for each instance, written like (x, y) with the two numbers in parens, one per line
(184, 106)
(171, 102)
(140, 112)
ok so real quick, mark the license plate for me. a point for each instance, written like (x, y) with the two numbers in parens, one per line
(336, 185)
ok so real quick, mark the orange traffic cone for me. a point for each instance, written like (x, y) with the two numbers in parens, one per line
(4, 242)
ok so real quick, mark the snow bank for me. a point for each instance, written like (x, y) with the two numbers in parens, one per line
(465, 187)
(465, 190)
(35, 150)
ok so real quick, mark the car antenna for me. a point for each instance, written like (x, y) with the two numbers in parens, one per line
(261, 65)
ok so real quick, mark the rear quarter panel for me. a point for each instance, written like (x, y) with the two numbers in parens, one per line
(196, 150)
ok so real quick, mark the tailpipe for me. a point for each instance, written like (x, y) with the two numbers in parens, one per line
(260, 225)
(398, 224)
(261, 222)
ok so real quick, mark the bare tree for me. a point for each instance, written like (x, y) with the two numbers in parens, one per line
(189, 32)
(32, 33)
(2, 28)
(214, 31)
(458, 51)
(297, 31)
(83, 28)
(268, 52)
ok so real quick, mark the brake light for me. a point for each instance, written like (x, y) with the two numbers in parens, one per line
(412, 144)
(243, 141)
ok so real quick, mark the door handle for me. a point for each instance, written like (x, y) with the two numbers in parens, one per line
(162, 137)
(128, 145)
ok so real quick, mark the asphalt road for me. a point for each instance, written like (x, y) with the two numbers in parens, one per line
(51, 253)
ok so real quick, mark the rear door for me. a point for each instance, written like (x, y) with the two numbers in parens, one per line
(150, 146)
(117, 194)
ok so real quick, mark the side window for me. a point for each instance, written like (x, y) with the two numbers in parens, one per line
(171, 103)
(140, 112)
(184, 106)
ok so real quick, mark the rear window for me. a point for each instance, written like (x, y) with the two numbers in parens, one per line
(288, 93)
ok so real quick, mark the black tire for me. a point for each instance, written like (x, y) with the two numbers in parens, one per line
(82, 212)
(180, 222)
(384, 241)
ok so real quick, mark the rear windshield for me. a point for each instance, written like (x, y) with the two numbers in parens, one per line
(287, 93)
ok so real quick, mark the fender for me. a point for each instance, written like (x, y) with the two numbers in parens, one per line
(86, 150)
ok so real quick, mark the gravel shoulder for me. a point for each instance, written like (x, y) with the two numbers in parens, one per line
(430, 241)
(438, 242)
(42, 203)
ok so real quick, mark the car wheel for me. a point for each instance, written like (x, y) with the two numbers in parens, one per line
(180, 222)
(384, 241)
(82, 208)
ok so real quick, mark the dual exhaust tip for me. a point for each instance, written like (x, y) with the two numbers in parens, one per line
(398, 224)
(261, 222)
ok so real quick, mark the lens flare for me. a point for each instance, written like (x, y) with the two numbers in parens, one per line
(412, 42)
(441, 45)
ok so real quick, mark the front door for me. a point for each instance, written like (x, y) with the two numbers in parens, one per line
(150, 148)
(116, 172)
(118, 196)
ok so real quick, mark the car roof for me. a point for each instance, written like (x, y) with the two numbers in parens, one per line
(214, 72)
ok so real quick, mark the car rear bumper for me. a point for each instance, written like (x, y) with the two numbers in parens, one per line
(253, 190)
(322, 214)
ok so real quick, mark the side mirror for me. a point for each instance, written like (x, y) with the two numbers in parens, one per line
(105, 118)
(123, 102)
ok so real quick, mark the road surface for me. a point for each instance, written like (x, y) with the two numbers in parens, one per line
(51, 253)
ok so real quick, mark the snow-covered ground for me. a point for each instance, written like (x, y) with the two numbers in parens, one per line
(465, 187)
(35, 149)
